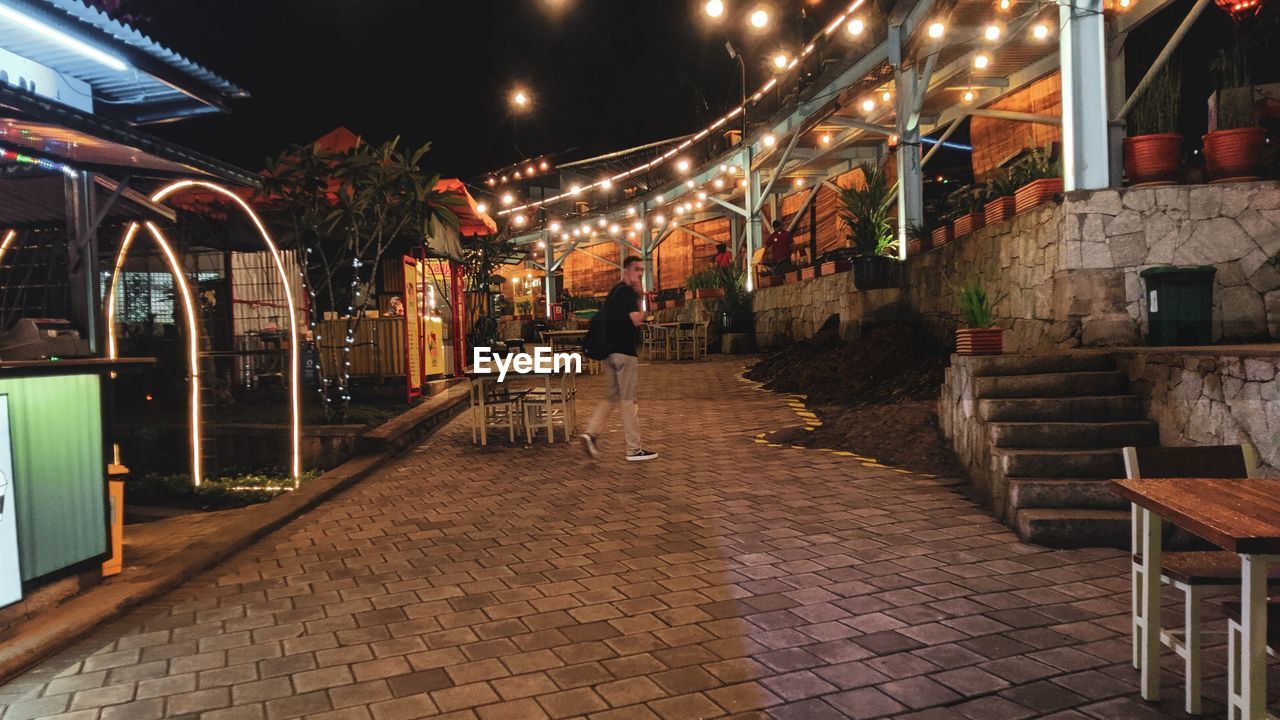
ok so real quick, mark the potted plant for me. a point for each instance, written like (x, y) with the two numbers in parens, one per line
(809, 272)
(1153, 149)
(980, 335)
(919, 239)
(967, 206)
(835, 261)
(737, 323)
(703, 284)
(941, 235)
(524, 308)
(1000, 200)
(865, 212)
(1234, 146)
(1042, 180)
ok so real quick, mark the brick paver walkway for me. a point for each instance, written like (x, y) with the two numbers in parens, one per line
(727, 578)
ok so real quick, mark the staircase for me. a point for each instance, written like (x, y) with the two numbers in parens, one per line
(1055, 426)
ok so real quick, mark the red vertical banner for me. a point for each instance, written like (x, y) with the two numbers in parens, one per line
(412, 330)
(458, 301)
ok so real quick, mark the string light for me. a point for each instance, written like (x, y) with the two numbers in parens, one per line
(856, 26)
(683, 165)
(772, 82)
(868, 105)
(1040, 31)
(759, 18)
(714, 8)
(507, 199)
(519, 220)
(825, 139)
(968, 96)
(482, 208)
(886, 96)
(769, 141)
(937, 30)
(780, 61)
(981, 61)
(991, 33)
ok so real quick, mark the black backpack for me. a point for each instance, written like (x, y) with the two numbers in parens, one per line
(596, 344)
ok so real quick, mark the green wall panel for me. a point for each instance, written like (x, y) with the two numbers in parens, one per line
(59, 478)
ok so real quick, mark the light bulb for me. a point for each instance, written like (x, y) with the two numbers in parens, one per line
(780, 61)
(968, 96)
(868, 105)
(825, 139)
(1006, 4)
(856, 26)
(683, 165)
(769, 141)
(714, 8)
(991, 33)
(1040, 31)
(936, 30)
(886, 96)
(482, 208)
(519, 220)
(575, 189)
(981, 61)
(508, 198)
(759, 18)
(554, 227)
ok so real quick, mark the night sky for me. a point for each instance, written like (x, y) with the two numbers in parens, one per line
(606, 74)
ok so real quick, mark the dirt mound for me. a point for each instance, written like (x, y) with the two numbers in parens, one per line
(892, 363)
(876, 395)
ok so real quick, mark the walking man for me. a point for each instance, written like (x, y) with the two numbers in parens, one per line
(621, 317)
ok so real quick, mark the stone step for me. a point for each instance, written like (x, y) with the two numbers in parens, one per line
(1104, 382)
(1036, 364)
(1073, 493)
(1102, 408)
(1101, 464)
(1072, 528)
(1073, 434)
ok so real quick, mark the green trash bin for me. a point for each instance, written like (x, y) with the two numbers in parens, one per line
(1179, 305)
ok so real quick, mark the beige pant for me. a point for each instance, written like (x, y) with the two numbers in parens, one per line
(620, 384)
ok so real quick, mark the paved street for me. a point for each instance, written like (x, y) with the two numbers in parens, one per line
(727, 578)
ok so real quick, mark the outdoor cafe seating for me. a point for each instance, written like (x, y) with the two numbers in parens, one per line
(1212, 494)
(523, 404)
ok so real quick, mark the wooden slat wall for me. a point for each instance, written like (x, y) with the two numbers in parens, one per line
(995, 141)
(379, 349)
(585, 275)
(683, 254)
(831, 230)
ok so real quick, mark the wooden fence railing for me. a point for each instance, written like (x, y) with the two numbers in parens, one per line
(378, 350)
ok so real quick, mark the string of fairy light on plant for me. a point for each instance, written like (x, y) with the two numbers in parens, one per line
(576, 190)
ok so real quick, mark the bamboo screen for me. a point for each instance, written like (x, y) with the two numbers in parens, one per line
(995, 141)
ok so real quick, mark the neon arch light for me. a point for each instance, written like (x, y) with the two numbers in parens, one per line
(8, 240)
(295, 398)
(193, 332)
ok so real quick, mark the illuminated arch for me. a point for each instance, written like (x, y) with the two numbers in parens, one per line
(295, 385)
(193, 335)
(8, 240)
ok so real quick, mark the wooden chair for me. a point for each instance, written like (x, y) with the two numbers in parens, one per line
(495, 408)
(552, 403)
(685, 341)
(655, 342)
(1235, 645)
(1190, 571)
(701, 331)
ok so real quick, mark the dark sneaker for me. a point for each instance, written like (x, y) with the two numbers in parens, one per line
(589, 445)
(639, 455)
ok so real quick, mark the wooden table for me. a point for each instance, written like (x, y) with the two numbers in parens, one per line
(1242, 516)
(556, 337)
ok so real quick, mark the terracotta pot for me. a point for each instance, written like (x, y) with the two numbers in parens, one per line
(1036, 193)
(704, 293)
(770, 280)
(1151, 160)
(914, 247)
(966, 224)
(795, 276)
(998, 210)
(1234, 154)
(979, 341)
(942, 235)
(809, 273)
(831, 267)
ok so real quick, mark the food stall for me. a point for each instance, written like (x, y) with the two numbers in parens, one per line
(54, 502)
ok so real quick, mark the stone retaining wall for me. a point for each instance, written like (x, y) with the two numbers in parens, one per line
(796, 310)
(1211, 396)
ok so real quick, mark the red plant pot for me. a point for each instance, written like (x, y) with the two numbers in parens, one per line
(942, 235)
(914, 247)
(1151, 160)
(1036, 193)
(998, 210)
(966, 224)
(1234, 154)
(770, 280)
(809, 273)
(704, 293)
(831, 267)
(979, 341)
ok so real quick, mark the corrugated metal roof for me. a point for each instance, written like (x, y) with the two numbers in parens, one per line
(156, 77)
